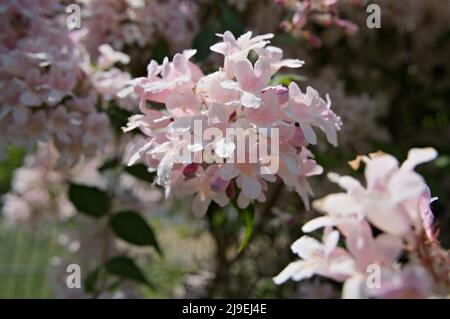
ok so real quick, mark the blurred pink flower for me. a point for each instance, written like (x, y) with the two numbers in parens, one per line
(396, 202)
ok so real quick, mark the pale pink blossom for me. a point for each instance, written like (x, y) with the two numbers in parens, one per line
(403, 261)
(44, 81)
(390, 199)
(237, 49)
(237, 96)
(108, 57)
(325, 259)
(311, 110)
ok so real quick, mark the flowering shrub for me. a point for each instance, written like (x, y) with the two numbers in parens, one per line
(238, 95)
(46, 95)
(230, 134)
(396, 202)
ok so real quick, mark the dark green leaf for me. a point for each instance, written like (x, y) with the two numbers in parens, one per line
(126, 268)
(90, 282)
(160, 50)
(230, 20)
(118, 117)
(7, 166)
(131, 227)
(286, 39)
(327, 161)
(140, 171)
(205, 39)
(89, 200)
(109, 164)
(114, 285)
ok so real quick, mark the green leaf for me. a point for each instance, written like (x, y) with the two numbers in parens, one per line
(90, 282)
(109, 164)
(443, 161)
(205, 39)
(286, 79)
(131, 227)
(126, 268)
(14, 158)
(89, 200)
(327, 161)
(160, 50)
(230, 20)
(286, 39)
(247, 217)
(118, 117)
(140, 171)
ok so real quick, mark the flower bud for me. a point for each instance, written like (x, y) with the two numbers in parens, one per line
(218, 184)
(230, 190)
(281, 92)
(190, 170)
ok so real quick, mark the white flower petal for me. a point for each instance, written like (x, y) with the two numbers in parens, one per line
(418, 156)
(295, 269)
(317, 223)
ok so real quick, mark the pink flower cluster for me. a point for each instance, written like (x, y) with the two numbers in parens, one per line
(396, 204)
(38, 192)
(137, 22)
(361, 114)
(108, 79)
(45, 90)
(39, 188)
(238, 95)
(321, 12)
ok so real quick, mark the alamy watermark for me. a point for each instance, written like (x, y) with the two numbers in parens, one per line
(73, 21)
(373, 280)
(73, 279)
(373, 21)
(231, 145)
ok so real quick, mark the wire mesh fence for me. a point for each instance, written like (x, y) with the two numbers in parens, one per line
(26, 262)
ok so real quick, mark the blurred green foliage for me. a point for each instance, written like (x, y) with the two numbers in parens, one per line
(14, 158)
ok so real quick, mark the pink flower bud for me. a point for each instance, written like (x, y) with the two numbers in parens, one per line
(218, 184)
(312, 39)
(230, 190)
(281, 91)
(349, 27)
(233, 117)
(190, 170)
(283, 94)
(285, 25)
(299, 20)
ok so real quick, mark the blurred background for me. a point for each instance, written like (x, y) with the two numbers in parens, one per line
(390, 85)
